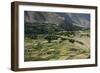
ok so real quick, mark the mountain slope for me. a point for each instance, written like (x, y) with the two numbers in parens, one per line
(50, 21)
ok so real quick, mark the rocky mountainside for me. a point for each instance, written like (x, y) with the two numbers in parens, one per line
(51, 21)
(43, 17)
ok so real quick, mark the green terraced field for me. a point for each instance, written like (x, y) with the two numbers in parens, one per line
(71, 47)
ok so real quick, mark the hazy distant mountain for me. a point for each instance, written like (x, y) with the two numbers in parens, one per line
(82, 20)
(43, 17)
(57, 21)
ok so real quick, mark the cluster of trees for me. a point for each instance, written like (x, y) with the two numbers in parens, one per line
(50, 31)
(45, 28)
(66, 33)
(41, 28)
(51, 37)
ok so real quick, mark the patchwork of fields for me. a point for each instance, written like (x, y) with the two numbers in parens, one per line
(65, 46)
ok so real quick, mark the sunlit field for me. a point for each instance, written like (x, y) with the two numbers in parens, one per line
(58, 47)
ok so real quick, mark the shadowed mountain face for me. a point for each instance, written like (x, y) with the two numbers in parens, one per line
(82, 20)
(47, 21)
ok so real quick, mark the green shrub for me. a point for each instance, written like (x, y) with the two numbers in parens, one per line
(71, 40)
(49, 38)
